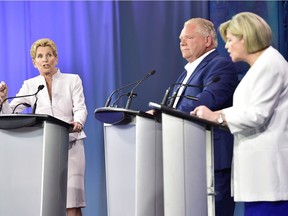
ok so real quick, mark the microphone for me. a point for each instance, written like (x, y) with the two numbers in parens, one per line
(185, 96)
(35, 105)
(126, 94)
(167, 93)
(40, 87)
(137, 84)
(116, 90)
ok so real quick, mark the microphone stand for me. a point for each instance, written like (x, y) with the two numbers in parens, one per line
(35, 105)
(118, 98)
(107, 104)
(183, 96)
(40, 87)
(167, 93)
(132, 91)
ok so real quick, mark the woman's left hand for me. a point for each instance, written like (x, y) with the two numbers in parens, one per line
(77, 127)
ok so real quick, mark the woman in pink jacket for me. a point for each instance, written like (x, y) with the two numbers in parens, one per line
(63, 98)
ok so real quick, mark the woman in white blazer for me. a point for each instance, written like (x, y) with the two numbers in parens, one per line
(258, 118)
(63, 98)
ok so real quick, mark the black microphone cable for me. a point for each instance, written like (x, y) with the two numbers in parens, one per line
(25, 104)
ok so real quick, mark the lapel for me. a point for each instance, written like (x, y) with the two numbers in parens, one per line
(202, 64)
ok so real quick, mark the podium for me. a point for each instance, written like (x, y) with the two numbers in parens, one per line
(188, 163)
(33, 164)
(133, 157)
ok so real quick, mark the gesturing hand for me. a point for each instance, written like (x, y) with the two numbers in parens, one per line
(3, 91)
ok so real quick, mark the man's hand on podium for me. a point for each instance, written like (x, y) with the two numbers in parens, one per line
(151, 112)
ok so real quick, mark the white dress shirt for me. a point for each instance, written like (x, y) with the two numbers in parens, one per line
(189, 67)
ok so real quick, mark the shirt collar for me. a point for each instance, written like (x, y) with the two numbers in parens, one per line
(190, 67)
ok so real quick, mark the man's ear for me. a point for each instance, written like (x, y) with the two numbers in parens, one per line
(208, 40)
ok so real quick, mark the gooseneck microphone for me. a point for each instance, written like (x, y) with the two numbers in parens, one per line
(173, 97)
(120, 96)
(40, 87)
(116, 90)
(137, 84)
(184, 96)
(167, 93)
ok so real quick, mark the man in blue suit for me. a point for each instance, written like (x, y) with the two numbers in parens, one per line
(198, 43)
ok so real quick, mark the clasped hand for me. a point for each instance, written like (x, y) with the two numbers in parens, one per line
(77, 127)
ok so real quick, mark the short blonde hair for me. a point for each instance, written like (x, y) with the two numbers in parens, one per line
(43, 42)
(205, 28)
(252, 28)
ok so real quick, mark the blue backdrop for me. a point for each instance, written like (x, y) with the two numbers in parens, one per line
(110, 44)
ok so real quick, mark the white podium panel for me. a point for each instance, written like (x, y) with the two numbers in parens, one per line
(185, 162)
(33, 165)
(133, 156)
(149, 168)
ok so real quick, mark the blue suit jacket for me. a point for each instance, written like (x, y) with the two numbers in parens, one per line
(215, 96)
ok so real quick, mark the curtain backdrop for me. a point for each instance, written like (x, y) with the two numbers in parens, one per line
(110, 44)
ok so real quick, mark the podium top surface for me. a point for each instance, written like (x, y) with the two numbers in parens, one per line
(183, 115)
(14, 121)
(114, 115)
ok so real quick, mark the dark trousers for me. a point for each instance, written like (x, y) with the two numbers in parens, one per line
(224, 203)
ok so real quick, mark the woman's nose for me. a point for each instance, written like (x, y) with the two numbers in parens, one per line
(45, 58)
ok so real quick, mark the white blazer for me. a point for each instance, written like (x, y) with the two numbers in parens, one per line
(67, 104)
(258, 120)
